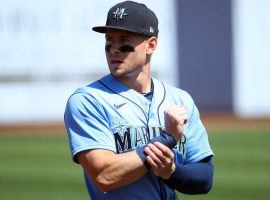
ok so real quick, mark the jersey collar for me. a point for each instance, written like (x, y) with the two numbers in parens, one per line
(117, 86)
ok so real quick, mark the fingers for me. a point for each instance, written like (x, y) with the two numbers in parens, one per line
(176, 109)
(175, 117)
(160, 158)
(182, 119)
(151, 162)
(178, 113)
(165, 150)
(159, 154)
(155, 154)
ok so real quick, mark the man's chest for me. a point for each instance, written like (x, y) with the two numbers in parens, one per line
(136, 123)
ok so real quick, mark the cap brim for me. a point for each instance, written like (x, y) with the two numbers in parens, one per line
(103, 29)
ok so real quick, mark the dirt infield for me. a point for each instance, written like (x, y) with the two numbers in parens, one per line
(41, 128)
(212, 121)
(219, 121)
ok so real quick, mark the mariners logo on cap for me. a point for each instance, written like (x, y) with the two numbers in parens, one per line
(119, 13)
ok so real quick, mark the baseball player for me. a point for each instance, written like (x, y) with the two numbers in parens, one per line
(135, 136)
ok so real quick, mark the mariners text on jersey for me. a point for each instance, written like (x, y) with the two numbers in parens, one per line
(128, 137)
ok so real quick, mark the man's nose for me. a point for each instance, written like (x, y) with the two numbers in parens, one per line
(114, 49)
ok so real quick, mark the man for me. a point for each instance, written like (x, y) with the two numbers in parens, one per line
(134, 136)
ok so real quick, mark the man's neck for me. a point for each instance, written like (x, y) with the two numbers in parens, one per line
(140, 83)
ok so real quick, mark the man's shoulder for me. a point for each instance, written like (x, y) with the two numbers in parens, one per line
(91, 92)
(91, 89)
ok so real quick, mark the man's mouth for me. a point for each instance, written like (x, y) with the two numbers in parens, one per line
(116, 61)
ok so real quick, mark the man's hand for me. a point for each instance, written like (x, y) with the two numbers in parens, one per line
(160, 158)
(175, 117)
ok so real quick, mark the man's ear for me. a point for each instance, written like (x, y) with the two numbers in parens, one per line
(151, 45)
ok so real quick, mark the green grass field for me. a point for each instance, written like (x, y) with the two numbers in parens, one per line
(40, 167)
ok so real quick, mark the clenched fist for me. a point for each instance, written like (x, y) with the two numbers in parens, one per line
(175, 117)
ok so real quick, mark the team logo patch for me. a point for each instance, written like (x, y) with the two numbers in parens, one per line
(119, 13)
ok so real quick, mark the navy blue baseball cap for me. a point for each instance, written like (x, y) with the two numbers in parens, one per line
(131, 16)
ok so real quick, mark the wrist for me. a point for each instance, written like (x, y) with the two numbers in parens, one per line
(165, 139)
(177, 136)
(140, 152)
(170, 172)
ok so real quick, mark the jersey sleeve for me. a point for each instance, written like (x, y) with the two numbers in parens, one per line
(87, 125)
(197, 144)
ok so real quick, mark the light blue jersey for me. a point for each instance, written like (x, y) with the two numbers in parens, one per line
(108, 115)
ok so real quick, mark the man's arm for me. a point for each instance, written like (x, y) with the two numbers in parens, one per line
(109, 170)
(92, 145)
(196, 178)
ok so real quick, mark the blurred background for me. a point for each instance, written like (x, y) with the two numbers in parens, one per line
(218, 51)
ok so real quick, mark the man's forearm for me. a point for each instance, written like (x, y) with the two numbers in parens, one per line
(110, 171)
(194, 178)
(124, 169)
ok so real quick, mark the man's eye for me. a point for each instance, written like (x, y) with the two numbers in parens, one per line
(108, 48)
(125, 40)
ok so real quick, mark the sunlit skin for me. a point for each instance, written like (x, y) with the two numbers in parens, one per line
(131, 68)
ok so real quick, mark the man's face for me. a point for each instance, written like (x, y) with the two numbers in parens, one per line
(122, 59)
